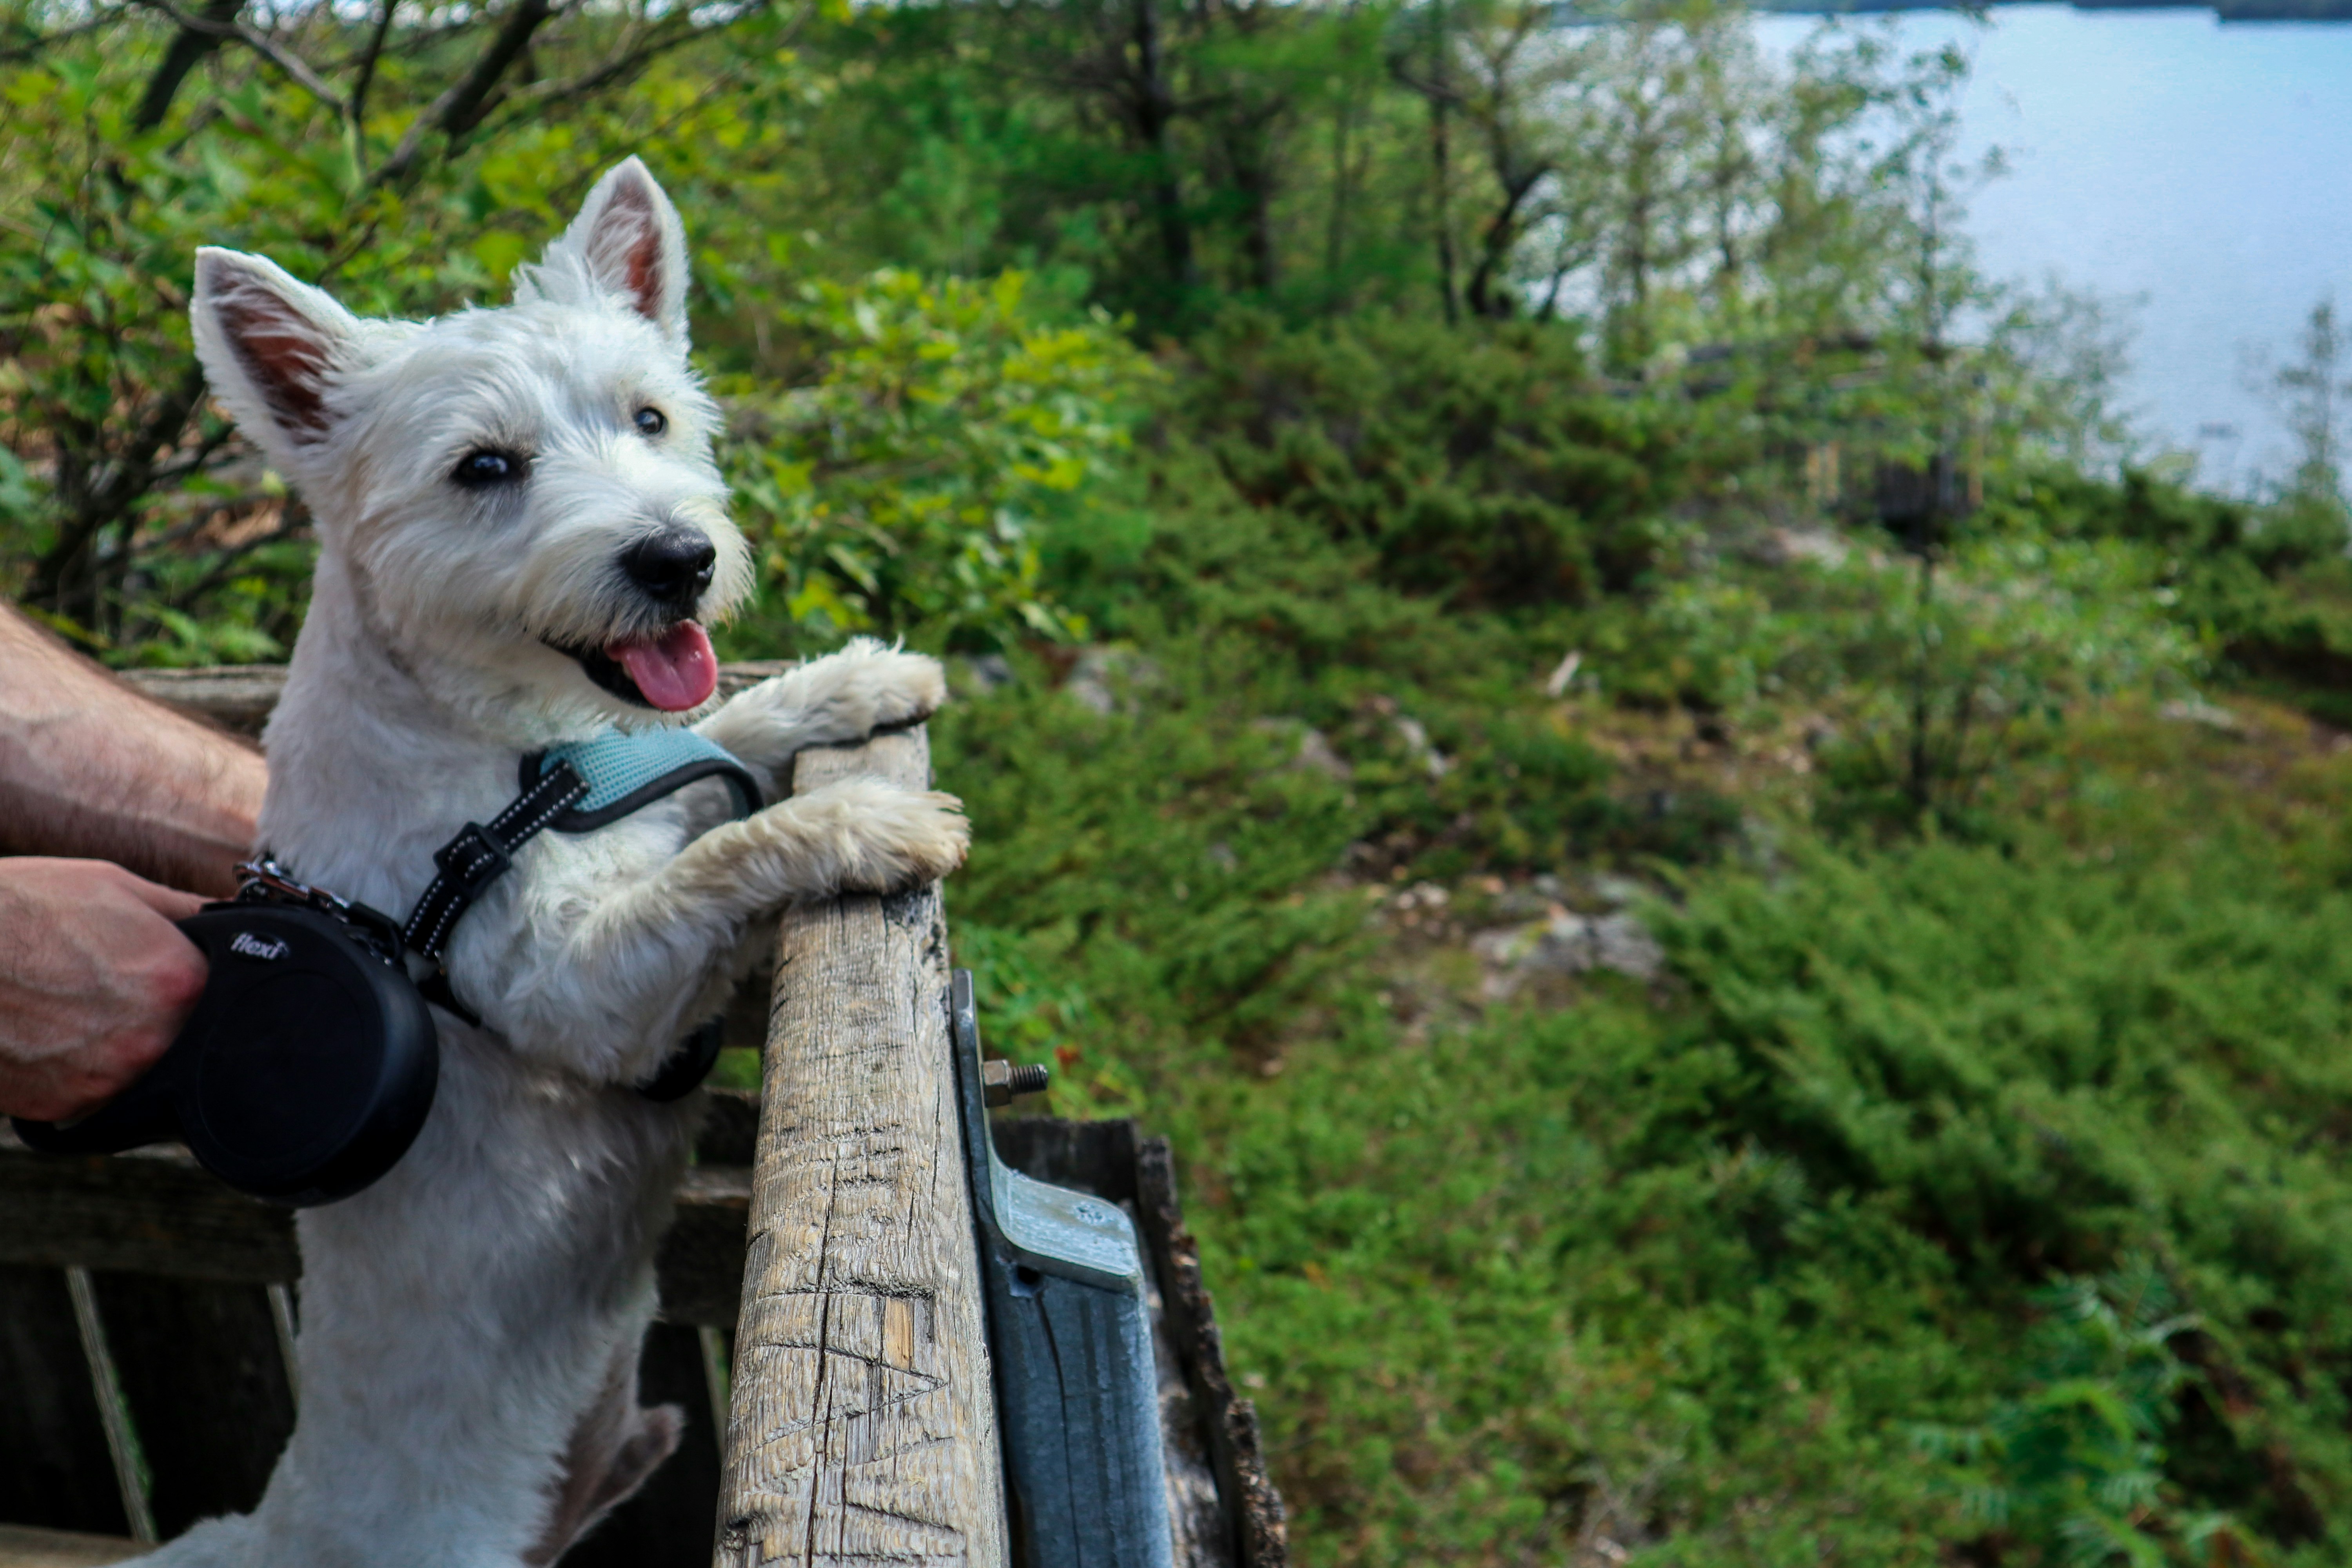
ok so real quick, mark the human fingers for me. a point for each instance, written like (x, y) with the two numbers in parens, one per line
(169, 903)
(95, 984)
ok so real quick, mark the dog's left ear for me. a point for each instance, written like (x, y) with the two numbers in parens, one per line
(272, 349)
(630, 240)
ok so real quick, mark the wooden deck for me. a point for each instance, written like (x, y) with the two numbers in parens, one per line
(24, 1548)
(199, 1366)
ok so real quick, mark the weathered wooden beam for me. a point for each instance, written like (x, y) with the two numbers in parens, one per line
(153, 1212)
(700, 1263)
(156, 1211)
(240, 697)
(863, 1427)
(21, 1547)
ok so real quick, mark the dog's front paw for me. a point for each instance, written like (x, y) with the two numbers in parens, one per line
(842, 696)
(873, 686)
(902, 838)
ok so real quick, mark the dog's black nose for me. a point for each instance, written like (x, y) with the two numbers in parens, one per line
(673, 566)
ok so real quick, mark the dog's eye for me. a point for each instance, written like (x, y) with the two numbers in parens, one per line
(480, 469)
(651, 422)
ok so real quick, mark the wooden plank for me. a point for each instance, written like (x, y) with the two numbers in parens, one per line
(239, 696)
(54, 1470)
(25, 1547)
(863, 1428)
(202, 1371)
(157, 1212)
(731, 1122)
(1236, 1454)
(700, 1263)
(113, 1409)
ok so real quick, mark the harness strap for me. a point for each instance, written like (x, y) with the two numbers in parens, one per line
(628, 771)
(574, 788)
(480, 854)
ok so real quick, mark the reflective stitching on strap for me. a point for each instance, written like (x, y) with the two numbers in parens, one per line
(485, 848)
(631, 772)
(552, 808)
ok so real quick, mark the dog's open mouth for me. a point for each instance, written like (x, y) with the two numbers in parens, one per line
(673, 672)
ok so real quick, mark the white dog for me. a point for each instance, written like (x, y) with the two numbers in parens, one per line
(519, 523)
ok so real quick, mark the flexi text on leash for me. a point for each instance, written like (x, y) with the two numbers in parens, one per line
(310, 1061)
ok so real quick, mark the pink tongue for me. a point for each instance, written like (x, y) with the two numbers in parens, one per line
(676, 673)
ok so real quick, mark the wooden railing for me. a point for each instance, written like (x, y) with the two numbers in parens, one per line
(821, 1316)
(863, 1428)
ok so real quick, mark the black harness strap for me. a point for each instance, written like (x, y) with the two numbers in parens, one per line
(480, 854)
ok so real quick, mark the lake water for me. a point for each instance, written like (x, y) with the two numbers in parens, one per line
(2202, 171)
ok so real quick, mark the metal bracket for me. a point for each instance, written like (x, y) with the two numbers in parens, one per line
(1077, 1393)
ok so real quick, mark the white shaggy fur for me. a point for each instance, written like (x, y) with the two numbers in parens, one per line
(470, 1324)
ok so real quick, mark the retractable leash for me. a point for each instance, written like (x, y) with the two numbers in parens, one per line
(310, 1061)
(309, 1064)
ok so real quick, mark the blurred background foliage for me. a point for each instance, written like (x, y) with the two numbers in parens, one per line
(1736, 906)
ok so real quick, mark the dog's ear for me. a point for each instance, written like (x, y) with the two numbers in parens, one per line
(631, 245)
(270, 346)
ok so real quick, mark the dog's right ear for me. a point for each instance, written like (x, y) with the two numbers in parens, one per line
(270, 348)
(629, 243)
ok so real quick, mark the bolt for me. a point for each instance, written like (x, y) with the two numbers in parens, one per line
(1001, 1081)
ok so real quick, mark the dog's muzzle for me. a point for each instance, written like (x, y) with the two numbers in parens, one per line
(672, 568)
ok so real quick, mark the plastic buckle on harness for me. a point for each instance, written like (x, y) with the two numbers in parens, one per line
(473, 860)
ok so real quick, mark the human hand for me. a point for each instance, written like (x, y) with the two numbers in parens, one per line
(95, 981)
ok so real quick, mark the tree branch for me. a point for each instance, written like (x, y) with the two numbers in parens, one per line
(217, 22)
(292, 518)
(358, 110)
(457, 111)
(208, 448)
(189, 47)
(163, 430)
(32, 47)
(614, 70)
(96, 506)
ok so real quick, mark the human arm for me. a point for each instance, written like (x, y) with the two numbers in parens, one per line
(95, 981)
(90, 768)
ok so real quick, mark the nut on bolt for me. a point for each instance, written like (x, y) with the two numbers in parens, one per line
(1000, 1081)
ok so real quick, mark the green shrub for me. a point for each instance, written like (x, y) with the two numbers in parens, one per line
(2047, 1064)
(2264, 586)
(901, 490)
(2069, 1471)
(1488, 468)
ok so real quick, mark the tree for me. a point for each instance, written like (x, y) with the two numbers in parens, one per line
(2310, 395)
(1524, 94)
(407, 152)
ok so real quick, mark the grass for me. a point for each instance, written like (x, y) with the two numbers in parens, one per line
(1693, 1271)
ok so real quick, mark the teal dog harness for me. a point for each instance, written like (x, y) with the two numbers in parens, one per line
(627, 772)
(576, 787)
